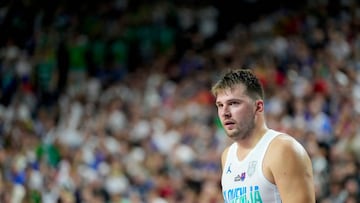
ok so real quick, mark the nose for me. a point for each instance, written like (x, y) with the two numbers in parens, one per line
(226, 113)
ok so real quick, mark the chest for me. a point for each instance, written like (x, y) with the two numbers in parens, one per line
(242, 172)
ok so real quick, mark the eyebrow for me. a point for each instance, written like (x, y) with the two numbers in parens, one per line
(230, 100)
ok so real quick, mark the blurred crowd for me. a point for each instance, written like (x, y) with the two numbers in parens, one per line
(109, 101)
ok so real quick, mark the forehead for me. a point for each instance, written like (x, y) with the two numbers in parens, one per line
(235, 92)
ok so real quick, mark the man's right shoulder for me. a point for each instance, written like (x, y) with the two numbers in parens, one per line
(224, 154)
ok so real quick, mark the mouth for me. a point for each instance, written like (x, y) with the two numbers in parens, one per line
(229, 124)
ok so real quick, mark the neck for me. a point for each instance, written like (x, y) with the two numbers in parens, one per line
(250, 141)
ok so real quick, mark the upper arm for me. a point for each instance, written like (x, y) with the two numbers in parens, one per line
(292, 171)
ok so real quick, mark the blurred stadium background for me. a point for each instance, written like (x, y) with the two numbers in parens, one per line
(109, 101)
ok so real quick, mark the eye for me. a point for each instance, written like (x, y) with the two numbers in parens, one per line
(233, 103)
(218, 105)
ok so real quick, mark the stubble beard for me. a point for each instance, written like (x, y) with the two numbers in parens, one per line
(243, 130)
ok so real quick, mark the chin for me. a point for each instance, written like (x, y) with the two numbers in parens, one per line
(236, 136)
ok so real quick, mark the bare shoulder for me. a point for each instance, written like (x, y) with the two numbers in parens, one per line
(224, 155)
(288, 165)
(287, 156)
(286, 145)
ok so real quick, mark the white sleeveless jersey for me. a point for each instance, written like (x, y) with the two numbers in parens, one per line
(244, 181)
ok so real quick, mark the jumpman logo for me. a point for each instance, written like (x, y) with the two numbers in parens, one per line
(228, 169)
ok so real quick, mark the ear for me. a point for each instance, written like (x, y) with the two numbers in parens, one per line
(259, 105)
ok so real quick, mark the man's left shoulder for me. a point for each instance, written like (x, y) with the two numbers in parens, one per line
(284, 143)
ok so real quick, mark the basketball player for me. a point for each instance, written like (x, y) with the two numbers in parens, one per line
(262, 165)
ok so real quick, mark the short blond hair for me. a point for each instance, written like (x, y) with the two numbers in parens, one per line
(244, 77)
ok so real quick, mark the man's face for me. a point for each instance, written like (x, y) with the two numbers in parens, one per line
(236, 111)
